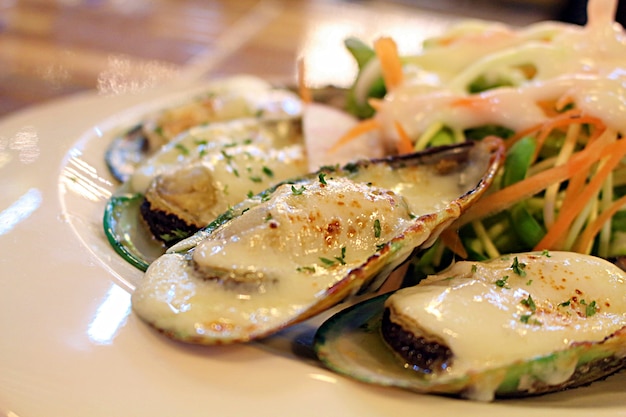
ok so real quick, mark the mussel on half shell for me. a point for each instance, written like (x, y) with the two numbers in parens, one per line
(305, 245)
(195, 177)
(522, 324)
(221, 100)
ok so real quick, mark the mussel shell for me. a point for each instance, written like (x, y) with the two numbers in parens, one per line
(165, 297)
(350, 343)
(125, 231)
(130, 148)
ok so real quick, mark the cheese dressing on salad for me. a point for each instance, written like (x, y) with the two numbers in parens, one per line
(546, 61)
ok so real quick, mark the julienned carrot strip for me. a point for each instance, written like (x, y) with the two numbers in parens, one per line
(614, 153)
(577, 182)
(375, 103)
(387, 53)
(405, 144)
(361, 128)
(521, 190)
(567, 149)
(585, 240)
(450, 237)
(545, 125)
(563, 101)
(563, 119)
(303, 89)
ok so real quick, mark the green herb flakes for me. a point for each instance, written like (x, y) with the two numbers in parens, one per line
(530, 303)
(183, 150)
(297, 191)
(377, 228)
(518, 267)
(267, 171)
(590, 309)
(529, 319)
(502, 282)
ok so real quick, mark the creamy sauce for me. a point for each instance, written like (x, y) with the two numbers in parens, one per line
(302, 223)
(227, 99)
(584, 63)
(484, 312)
(260, 270)
(216, 142)
(223, 179)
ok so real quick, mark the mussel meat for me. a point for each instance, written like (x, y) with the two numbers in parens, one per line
(522, 324)
(222, 100)
(307, 244)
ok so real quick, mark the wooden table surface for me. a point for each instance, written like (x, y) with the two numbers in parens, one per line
(54, 48)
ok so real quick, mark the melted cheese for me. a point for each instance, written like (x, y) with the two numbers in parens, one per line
(215, 143)
(484, 312)
(227, 99)
(260, 270)
(296, 230)
(302, 225)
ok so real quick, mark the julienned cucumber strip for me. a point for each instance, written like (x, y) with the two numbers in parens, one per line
(518, 161)
(525, 225)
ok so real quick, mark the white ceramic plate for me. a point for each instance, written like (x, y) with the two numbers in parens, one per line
(70, 345)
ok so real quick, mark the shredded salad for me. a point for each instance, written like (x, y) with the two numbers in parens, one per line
(555, 92)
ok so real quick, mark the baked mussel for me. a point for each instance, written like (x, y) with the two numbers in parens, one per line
(222, 100)
(518, 325)
(195, 177)
(307, 244)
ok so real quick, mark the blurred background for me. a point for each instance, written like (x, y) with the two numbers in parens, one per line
(56, 48)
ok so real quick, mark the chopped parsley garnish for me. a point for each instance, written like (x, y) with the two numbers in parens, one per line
(530, 281)
(226, 156)
(322, 178)
(380, 246)
(502, 282)
(182, 148)
(254, 178)
(376, 228)
(338, 259)
(310, 269)
(328, 262)
(530, 303)
(250, 194)
(351, 167)
(590, 309)
(342, 259)
(268, 172)
(268, 217)
(518, 267)
(546, 253)
(474, 268)
(528, 319)
(565, 303)
(297, 191)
